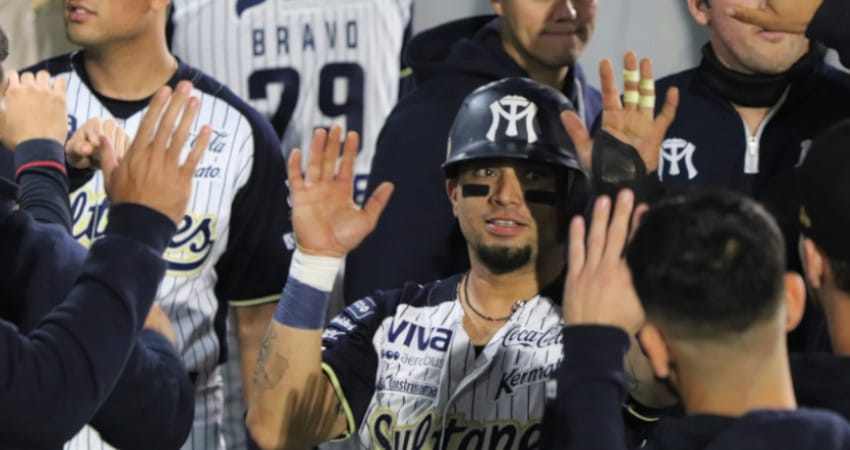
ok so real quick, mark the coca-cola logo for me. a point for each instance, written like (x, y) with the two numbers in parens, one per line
(525, 337)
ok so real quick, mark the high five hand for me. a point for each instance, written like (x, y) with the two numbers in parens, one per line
(325, 219)
(599, 289)
(635, 123)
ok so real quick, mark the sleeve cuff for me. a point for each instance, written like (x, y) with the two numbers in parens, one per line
(43, 153)
(349, 415)
(142, 224)
(155, 341)
(594, 347)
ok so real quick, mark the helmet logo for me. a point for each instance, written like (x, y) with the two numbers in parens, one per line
(513, 108)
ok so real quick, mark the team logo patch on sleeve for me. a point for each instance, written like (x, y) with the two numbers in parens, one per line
(361, 309)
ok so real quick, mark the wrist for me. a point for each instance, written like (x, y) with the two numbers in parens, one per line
(316, 271)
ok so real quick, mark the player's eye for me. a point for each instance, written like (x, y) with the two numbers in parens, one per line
(485, 172)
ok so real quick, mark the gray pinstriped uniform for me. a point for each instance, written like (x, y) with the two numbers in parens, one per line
(231, 243)
(411, 379)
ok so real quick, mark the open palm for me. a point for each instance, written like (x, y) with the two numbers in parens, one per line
(325, 219)
(634, 122)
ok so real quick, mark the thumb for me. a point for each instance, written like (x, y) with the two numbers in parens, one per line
(579, 135)
(376, 203)
(109, 160)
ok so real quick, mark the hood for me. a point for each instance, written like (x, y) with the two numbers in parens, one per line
(802, 429)
(471, 46)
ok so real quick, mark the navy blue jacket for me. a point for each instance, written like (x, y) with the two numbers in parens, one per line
(708, 146)
(821, 381)
(70, 321)
(417, 238)
(829, 25)
(591, 387)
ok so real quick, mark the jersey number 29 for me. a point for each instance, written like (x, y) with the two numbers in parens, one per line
(329, 104)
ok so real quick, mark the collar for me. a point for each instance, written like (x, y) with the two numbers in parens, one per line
(753, 90)
(123, 109)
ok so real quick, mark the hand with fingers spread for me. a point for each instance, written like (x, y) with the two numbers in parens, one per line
(790, 16)
(599, 286)
(84, 149)
(150, 173)
(325, 219)
(632, 121)
(35, 109)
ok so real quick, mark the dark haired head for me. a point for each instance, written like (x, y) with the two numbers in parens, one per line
(707, 264)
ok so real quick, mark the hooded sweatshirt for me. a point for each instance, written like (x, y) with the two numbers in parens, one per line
(417, 238)
(590, 388)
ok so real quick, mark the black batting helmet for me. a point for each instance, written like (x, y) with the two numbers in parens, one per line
(511, 118)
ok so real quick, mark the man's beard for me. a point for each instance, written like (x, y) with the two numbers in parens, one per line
(501, 260)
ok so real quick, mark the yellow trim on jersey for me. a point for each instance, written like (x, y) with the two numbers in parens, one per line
(406, 72)
(254, 302)
(349, 416)
(631, 410)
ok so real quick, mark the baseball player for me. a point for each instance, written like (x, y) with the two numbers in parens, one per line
(458, 363)
(302, 63)
(230, 245)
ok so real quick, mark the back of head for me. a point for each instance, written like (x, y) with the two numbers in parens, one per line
(707, 265)
(824, 187)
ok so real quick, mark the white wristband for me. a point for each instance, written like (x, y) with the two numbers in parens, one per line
(318, 272)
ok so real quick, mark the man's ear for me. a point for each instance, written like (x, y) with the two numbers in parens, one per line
(813, 262)
(795, 300)
(453, 191)
(699, 11)
(653, 345)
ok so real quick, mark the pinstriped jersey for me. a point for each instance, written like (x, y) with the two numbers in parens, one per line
(320, 62)
(409, 377)
(230, 245)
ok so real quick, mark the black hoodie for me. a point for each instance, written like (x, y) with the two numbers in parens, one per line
(417, 238)
(590, 389)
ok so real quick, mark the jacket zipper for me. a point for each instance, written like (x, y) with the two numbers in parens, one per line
(751, 157)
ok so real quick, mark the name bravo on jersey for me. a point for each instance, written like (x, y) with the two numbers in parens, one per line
(309, 36)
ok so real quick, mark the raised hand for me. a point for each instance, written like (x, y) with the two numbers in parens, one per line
(35, 109)
(325, 219)
(150, 173)
(84, 149)
(633, 123)
(599, 289)
(790, 16)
